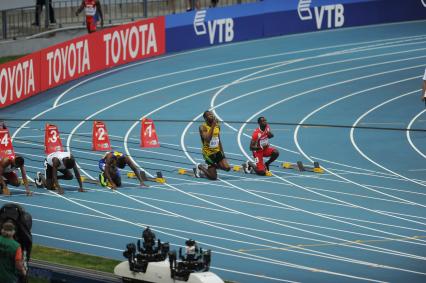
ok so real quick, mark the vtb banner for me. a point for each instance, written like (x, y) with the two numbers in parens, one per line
(81, 56)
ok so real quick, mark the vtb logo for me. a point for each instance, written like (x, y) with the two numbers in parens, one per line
(222, 29)
(329, 11)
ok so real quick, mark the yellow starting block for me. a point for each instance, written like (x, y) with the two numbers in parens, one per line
(318, 170)
(301, 167)
(84, 179)
(298, 165)
(183, 171)
(236, 168)
(158, 179)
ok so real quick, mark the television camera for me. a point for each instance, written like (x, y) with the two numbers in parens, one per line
(147, 262)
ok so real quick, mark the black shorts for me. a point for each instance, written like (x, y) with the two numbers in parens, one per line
(48, 171)
(214, 158)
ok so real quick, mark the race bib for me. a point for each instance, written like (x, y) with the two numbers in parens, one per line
(90, 10)
(214, 142)
(264, 143)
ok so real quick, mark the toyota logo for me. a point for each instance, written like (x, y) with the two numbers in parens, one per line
(424, 3)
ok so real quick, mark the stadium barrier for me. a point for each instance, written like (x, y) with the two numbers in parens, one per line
(17, 19)
(85, 55)
(276, 17)
(73, 59)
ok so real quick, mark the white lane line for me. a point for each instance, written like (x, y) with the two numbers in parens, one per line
(337, 62)
(364, 155)
(76, 242)
(353, 167)
(408, 133)
(334, 101)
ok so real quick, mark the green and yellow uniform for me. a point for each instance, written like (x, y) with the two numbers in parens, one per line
(212, 151)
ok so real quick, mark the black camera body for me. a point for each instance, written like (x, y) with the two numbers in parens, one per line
(195, 260)
(139, 257)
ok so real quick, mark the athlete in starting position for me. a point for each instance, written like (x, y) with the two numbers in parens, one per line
(8, 166)
(62, 162)
(259, 145)
(212, 148)
(110, 164)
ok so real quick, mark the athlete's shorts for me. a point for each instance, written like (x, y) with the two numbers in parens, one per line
(91, 23)
(258, 157)
(102, 167)
(48, 171)
(214, 158)
(10, 177)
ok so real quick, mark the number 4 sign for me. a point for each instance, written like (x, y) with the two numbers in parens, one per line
(52, 141)
(100, 138)
(6, 147)
(148, 134)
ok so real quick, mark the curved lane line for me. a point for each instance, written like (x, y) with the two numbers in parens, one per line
(364, 155)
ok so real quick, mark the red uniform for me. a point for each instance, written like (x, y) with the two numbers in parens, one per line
(90, 9)
(9, 174)
(262, 142)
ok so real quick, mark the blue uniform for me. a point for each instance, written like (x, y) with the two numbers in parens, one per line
(102, 162)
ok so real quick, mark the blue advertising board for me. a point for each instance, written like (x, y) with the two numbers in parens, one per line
(278, 17)
(214, 26)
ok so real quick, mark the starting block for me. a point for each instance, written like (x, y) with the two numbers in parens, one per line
(158, 179)
(300, 167)
(316, 168)
(183, 171)
(84, 179)
(236, 168)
